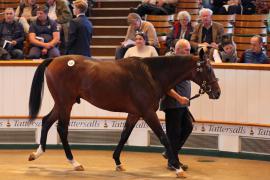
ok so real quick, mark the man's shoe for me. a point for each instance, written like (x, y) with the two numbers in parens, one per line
(164, 154)
(170, 167)
(183, 166)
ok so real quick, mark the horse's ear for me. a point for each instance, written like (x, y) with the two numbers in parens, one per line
(201, 54)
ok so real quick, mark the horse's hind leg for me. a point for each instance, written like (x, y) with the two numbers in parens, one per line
(62, 129)
(152, 120)
(129, 125)
(47, 122)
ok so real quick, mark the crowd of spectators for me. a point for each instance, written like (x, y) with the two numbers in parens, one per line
(208, 34)
(51, 30)
(36, 31)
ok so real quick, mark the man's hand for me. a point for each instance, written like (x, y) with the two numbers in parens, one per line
(48, 46)
(183, 100)
(44, 51)
(13, 43)
(214, 45)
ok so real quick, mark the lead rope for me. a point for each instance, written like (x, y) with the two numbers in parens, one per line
(201, 91)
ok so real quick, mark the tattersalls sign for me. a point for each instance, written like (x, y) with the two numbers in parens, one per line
(205, 128)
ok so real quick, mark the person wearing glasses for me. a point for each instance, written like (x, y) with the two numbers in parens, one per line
(137, 24)
(182, 29)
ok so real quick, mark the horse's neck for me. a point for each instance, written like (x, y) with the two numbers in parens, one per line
(171, 70)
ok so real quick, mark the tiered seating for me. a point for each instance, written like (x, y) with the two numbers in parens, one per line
(8, 4)
(109, 19)
(245, 27)
(249, 25)
(227, 21)
(163, 25)
(192, 6)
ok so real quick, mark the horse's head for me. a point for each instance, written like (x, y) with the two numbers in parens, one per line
(205, 77)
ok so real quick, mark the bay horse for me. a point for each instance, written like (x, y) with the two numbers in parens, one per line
(133, 85)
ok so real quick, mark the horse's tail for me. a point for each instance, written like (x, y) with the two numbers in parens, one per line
(37, 90)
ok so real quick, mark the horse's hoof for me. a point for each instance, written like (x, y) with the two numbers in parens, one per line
(181, 174)
(32, 157)
(79, 168)
(120, 168)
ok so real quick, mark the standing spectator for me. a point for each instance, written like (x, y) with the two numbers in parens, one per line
(141, 49)
(156, 7)
(26, 12)
(137, 24)
(59, 11)
(11, 36)
(43, 35)
(90, 3)
(255, 54)
(207, 33)
(80, 31)
(182, 29)
(175, 105)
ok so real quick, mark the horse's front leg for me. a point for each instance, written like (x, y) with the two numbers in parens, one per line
(47, 122)
(129, 125)
(62, 128)
(152, 120)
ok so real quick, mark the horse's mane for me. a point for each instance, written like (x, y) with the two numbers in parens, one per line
(157, 69)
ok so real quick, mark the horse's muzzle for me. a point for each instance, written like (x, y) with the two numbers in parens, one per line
(214, 95)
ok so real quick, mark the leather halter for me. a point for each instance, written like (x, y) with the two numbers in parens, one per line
(203, 87)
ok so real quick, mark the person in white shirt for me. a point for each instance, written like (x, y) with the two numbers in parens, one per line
(141, 49)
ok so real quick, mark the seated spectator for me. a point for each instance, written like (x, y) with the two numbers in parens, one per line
(231, 7)
(43, 36)
(80, 31)
(137, 24)
(141, 49)
(226, 54)
(26, 12)
(182, 29)
(249, 6)
(216, 5)
(256, 53)
(156, 7)
(207, 33)
(11, 36)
